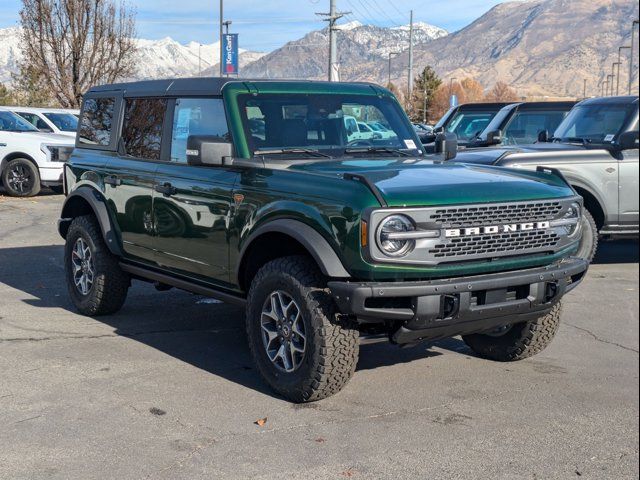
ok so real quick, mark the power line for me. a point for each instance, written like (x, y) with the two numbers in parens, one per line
(384, 13)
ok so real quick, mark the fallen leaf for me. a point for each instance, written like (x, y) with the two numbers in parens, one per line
(320, 440)
(349, 473)
(262, 422)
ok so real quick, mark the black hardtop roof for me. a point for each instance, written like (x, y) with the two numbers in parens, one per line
(620, 100)
(568, 104)
(193, 86)
(483, 106)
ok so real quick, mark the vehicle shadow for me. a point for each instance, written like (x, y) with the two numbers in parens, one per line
(196, 330)
(617, 251)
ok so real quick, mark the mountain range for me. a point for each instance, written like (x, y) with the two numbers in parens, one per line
(539, 47)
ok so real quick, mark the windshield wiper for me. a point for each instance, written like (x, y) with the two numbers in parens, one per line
(377, 150)
(291, 151)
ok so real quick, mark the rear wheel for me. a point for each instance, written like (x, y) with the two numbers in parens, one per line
(518, 341)
(95, 282)
(21, 178)
(302, 347)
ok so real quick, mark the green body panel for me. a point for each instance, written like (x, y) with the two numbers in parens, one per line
(201, 230)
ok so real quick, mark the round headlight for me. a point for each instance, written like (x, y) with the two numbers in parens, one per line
(574, 211)
(390, 238)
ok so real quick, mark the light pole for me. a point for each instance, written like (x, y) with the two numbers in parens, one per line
(391, 55)
(609, 84)
(619, 65)
(633, 33)
(613, 71)
(221, 33)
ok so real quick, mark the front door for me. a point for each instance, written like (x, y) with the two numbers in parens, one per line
(192, 205)
(629, 192)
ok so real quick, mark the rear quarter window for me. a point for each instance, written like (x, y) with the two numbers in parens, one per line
(96, 122)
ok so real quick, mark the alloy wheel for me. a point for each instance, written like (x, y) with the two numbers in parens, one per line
(20, 179)
(283, 332)
(83, 267)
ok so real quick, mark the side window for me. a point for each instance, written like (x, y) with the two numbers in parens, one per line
(196, 116)
(142, 127)
(96, 122)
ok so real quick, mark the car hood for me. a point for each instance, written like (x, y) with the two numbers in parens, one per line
(48, 138)
(491, 155)
(411, 182)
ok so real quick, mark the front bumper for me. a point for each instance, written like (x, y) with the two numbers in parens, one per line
(444, 308)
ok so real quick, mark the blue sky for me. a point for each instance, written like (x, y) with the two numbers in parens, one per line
(268, 24)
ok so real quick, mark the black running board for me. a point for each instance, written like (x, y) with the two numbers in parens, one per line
(182, 284)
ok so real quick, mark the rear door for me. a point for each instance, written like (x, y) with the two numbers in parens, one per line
(129, 175)
(192, 220)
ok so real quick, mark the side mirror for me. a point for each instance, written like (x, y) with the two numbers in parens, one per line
(628, 140)
(494, 137)
(203, 150)
(447, 145)
(543, 136)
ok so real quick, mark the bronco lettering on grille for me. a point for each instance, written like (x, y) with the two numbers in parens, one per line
(495, 229)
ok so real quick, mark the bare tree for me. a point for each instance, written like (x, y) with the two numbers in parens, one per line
(501, 92)
(70, 45)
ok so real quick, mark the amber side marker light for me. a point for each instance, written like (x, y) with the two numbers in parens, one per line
(364, 233)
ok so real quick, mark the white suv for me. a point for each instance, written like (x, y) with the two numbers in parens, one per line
(30, 158)
(49, 120)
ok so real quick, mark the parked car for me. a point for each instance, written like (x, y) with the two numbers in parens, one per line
(318, 238)
(596, 149)
(522, 123)
(49, 120)
(29, 158)
(466, 121)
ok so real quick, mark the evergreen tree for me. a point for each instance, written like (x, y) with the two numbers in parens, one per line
(424, 88)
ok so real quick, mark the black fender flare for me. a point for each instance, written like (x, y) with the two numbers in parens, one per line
(308, 237)
(98, 204)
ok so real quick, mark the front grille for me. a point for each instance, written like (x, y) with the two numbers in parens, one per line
(517, 242)
(495, 214)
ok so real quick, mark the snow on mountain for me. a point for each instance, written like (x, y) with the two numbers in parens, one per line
(156, 58)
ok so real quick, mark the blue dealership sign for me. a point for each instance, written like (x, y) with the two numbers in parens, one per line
(230, 53)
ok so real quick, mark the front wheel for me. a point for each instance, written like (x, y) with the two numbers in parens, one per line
(302, 347)
(518, 341)
(95, 282)
(21, 178)
(589, 240)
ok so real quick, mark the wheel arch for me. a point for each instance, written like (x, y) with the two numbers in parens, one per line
(285, 237)
(88, 201)
(14, 156)
(592, 204)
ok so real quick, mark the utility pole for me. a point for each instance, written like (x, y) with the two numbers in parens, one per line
(424, 101)
(633, 33)
(221, 33)
(613, 74)
(391, 55)
(410, 56)
(332, 17)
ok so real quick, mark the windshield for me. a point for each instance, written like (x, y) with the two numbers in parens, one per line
(10, 122)
(327, 123)
(65, 122)
(595, 123)
(467, 125)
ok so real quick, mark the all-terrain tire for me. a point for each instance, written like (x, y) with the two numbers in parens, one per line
(27, 171)
(110, 284)
(589, 241)
(521, 341)
(332, 340)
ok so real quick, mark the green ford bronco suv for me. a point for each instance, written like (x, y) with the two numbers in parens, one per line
(261, 193)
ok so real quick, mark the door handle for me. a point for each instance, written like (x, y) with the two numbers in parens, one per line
(112, 180)
(166, 189)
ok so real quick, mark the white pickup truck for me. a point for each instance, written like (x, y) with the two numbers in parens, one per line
(30, 159)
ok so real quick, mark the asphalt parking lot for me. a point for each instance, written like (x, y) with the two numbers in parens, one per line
(166, 388)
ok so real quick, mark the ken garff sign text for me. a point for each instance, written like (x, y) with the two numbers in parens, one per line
(230, 53)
